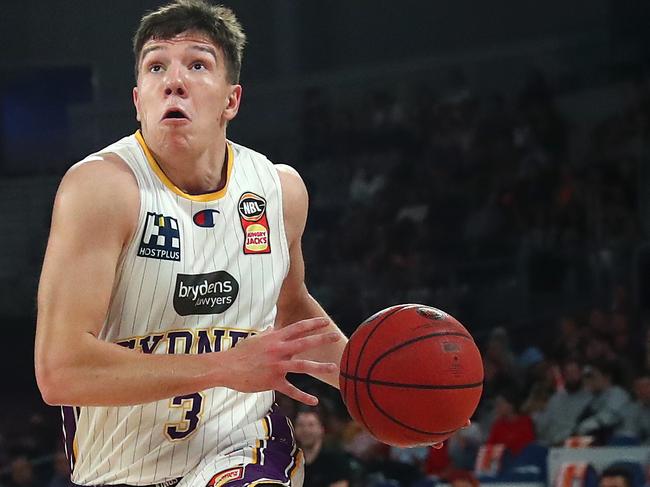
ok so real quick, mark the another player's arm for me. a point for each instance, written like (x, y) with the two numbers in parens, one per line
(295, 303)
(95, 216)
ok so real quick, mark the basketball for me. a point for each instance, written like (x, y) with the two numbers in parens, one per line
(411, 375)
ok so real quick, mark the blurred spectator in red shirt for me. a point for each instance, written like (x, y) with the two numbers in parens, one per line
(510, 428)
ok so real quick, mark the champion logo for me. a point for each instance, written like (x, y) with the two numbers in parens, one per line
(205, 218)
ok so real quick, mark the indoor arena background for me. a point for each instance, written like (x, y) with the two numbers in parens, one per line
(487, 158)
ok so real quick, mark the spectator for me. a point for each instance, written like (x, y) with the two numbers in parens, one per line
(463, 447)
(604, 415)
(557, 421)
(538, 379)
(438, 462)
(637, 420)
(569, 339)
(324, 467)
(22, 473)
(499, 351)
(510, 428)
(615, 477)
(61, 476)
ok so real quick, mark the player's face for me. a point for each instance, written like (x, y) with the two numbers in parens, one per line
(183, 97)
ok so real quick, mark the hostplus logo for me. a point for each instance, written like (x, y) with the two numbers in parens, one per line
(161, 238)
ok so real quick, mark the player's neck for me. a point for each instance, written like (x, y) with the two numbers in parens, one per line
(195, 171)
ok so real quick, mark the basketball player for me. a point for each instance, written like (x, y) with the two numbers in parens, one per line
(172, 300)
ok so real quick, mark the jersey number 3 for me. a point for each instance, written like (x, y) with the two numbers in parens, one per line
(192, 405)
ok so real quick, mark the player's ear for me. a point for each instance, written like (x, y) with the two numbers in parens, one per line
(136, 103)
(232, 102)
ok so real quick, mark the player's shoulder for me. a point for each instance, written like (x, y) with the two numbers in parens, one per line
(100, 175)
(291, 182)
(295, 200)
(294, 191)
(104, 182)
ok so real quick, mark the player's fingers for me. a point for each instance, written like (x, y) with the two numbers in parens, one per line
(288, 389)
(310, 367)
(305, 343)
(467, 425)
(303, 327)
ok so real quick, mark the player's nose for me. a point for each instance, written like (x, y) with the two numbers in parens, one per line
(174, 82)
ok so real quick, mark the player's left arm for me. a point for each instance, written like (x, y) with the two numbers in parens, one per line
(295, 303)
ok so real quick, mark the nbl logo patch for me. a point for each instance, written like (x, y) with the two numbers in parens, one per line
(252, 214)
(161, 238)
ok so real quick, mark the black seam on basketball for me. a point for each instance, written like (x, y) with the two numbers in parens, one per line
(356, 371)
(397, 347)
(404, 425)
(415, 340)
(375, 382)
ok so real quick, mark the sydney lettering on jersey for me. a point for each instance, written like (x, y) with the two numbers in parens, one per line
(194, 341)
(161, 238)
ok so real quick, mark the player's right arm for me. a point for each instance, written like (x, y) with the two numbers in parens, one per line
(95, 215)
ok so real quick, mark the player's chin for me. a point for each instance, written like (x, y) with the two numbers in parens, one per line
(176, 139)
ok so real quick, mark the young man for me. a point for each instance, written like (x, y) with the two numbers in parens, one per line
(172, 299)
(637, 414)
(324, 467)
(604, 416)
(557, 421)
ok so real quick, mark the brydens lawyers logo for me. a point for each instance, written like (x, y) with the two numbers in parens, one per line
(252, 213)
(204, 294)
(205, 218)
(161, 238)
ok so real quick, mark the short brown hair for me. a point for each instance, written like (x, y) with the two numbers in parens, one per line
(219, 23)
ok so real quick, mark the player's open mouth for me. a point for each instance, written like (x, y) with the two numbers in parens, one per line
(175, 114)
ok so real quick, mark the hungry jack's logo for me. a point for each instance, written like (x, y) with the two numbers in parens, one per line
(252, 214)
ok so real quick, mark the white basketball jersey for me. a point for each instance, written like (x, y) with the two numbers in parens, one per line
(200, 273)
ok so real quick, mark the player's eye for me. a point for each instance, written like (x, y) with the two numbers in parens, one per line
(198, 66)
(155, 68)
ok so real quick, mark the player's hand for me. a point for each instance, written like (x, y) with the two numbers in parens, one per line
(261, 362)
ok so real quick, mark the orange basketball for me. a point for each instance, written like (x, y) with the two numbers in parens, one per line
(412, 375)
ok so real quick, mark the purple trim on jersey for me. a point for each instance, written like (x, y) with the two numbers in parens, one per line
(69, 430)
(277, 456)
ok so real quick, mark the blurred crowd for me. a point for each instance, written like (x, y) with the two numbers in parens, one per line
(487, 205)
(497, 209)
(581, 384)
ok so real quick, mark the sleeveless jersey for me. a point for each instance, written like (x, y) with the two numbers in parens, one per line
(200, 273)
